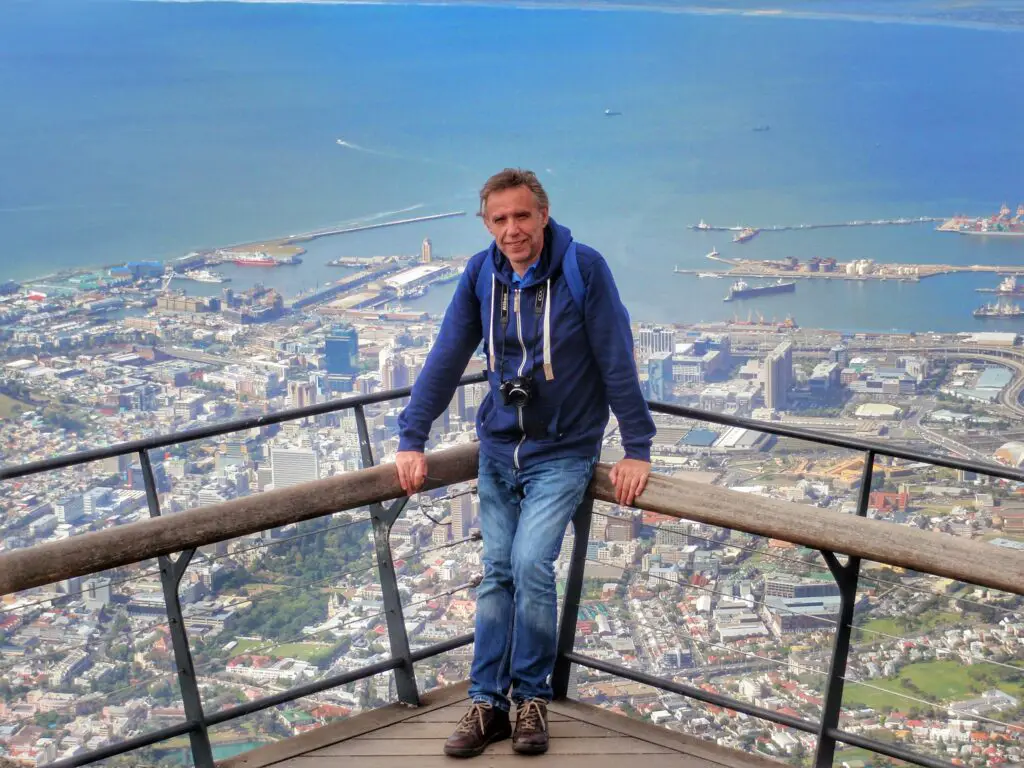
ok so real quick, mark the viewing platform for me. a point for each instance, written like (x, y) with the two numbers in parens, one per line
(582, 736)
(412, 730)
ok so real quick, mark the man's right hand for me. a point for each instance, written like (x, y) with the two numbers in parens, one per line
(412, 470)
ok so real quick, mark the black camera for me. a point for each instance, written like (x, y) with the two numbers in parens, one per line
(516, 392)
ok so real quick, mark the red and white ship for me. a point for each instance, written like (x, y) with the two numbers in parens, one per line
(255, 260)
(261, 259)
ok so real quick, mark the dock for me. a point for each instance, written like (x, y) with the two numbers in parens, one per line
(863, 269)
(903, 221)
(306, 237)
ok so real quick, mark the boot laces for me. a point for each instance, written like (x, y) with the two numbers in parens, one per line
(531, 715)
(474, 718)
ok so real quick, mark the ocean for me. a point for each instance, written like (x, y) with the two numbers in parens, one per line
(136, 130)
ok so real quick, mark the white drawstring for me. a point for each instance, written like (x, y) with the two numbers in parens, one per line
(549, 371)
(490, 343)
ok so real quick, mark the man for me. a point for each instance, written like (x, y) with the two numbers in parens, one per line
(560, 351)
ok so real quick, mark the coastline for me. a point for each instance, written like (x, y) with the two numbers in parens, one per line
(1006, 25)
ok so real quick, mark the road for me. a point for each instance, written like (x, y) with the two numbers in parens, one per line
(184, 353)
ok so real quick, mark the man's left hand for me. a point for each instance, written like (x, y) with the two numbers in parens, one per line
(629, 477)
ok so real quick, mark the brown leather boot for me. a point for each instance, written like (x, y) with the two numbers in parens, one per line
(483, 724)
(531, 735)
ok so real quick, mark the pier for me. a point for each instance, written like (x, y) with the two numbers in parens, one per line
(863, 269)
(702, 227)
(369, 261)
(286, 247)
(304, 238)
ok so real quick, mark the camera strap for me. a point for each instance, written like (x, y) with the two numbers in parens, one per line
(504, 306)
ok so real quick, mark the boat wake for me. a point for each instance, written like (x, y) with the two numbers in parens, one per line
(396, 155)
(381, 153)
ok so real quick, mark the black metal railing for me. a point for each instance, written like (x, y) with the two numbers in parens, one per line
(845, 574)
(197, 722)
(402, 657)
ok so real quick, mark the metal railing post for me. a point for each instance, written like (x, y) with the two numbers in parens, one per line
(382, 519)
(171, 572)
(571, 603)
(846, 577)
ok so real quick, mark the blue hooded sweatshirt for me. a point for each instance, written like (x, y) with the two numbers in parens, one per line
(580, 363)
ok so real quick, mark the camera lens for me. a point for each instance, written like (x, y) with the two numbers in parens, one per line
(517, 396)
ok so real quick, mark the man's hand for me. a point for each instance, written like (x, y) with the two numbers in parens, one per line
(630, 478)
(412, 470)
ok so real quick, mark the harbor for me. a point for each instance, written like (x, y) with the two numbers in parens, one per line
(830, 269)
(1004, 223)
(703, 226)
(998, 225)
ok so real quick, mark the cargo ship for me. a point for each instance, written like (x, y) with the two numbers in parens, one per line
(747, 233)
(1008, 287)
(999, 310)
(1000, 225)
(741, 290)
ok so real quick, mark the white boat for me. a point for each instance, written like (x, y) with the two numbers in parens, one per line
(205, 276)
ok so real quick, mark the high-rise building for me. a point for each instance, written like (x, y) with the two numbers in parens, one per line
(672, 534)
(93, 498)
(463, 514)
(70, 509)
(652, 340)
(301, 394)
(792, 588)
(621, 529)
(97, 593)
(457, 407)
(839, 354)
(394, 373)
(778, 376)
(659, 376)
(341, 351)
(442, 533)
(292, 466)
(426, 251)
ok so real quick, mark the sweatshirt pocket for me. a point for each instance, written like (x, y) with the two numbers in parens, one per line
(542, 423)
(498, 419)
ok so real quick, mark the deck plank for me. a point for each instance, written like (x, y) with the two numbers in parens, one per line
(637, 729)
(489, 760)
(272, 754)
(583, 736)
(614, 745)
(454, 712)
(563, 729)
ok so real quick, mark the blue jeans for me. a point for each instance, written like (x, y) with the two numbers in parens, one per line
(523, 516)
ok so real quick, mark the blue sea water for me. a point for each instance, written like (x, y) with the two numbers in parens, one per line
(146, 129)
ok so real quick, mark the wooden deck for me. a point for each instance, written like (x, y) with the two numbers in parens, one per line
(396, 736)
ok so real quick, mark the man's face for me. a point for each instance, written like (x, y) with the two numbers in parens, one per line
(516, 220)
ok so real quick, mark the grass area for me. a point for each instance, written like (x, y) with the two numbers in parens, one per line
(936, 681)
(246, 645)
(8, 404)
(901, 626)
(851, 754)
(859, 696)
(300, 651)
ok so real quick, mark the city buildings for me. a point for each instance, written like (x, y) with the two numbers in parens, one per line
(293, 466)
(778, 376)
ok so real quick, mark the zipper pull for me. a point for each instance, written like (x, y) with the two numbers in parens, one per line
(517, 301)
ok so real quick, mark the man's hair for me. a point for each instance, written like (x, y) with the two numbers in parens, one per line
(510, 178)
